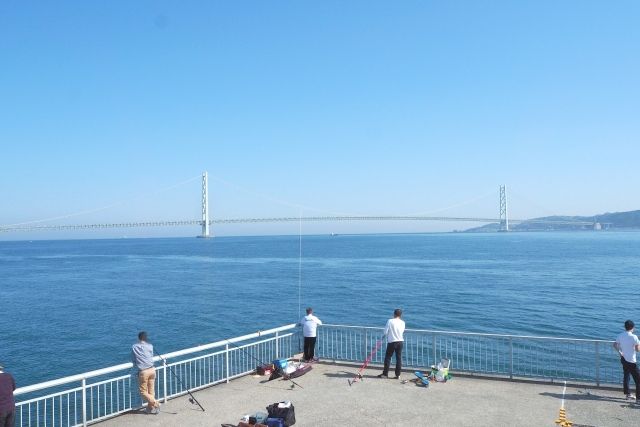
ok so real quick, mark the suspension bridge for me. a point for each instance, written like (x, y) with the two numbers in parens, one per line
(206, 223)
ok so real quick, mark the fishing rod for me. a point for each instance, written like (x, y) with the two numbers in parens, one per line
(192, 398)
(367, 360)
(293, 383)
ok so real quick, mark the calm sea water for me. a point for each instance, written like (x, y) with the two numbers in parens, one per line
(72, 306)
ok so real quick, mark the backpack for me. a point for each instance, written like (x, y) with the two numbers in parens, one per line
(287, 414)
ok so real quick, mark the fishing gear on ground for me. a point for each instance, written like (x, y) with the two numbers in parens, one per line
(261, 363)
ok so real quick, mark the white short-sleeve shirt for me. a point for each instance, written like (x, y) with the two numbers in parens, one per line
(394, 330)
(627, 344)
(309, 325)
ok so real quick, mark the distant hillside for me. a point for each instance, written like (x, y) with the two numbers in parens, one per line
(612, 221)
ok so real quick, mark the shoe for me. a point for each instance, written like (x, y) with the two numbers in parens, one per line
(397, 377)
(156, 410)
(629, 397)
(383, 376)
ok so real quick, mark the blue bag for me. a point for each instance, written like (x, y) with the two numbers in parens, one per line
(274, 422)
(280, 363)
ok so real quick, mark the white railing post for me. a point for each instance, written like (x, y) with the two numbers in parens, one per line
(511, 358)
(334, 346)
(84, 402)
(364, 344)
(277, 346)
(435, 350)
(164, 378)
(226, 358)
(598, 364)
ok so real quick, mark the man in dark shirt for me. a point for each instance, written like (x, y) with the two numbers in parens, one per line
(7, 402)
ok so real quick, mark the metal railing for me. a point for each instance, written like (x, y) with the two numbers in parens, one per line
(93, 396)
(509, 356)
(87, 398)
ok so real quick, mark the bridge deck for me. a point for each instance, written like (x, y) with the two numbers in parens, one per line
(327, 400)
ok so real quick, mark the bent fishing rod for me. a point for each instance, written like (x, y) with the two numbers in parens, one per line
(293, 383)
(367, 360)
(192, 398)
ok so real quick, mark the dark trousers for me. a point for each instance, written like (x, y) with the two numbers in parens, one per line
(630, 370)
(8, 419)
(393, 347)
(309, 348)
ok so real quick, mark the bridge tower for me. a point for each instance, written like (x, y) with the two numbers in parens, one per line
(504, 213)
(205, 205)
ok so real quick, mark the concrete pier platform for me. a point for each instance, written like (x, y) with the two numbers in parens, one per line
(326, 399)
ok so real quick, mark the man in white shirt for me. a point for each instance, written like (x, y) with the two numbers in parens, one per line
(627, 344)
(394, 332)
(309, 325)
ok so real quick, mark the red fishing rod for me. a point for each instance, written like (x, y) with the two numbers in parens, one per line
(358, 376)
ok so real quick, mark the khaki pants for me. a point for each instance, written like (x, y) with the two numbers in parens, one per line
(146, 382)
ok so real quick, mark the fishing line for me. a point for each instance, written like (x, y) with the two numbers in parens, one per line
(300, 265)
(300, 275)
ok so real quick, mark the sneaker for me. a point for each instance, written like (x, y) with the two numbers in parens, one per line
(397, 377)
(383, 376)
(629, 397)
(156, 410)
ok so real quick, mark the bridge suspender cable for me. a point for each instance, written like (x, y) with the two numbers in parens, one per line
(23, 225)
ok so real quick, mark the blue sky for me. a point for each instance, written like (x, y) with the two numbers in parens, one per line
(353, 107)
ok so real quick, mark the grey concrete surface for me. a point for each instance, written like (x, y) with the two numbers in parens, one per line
(326, 399)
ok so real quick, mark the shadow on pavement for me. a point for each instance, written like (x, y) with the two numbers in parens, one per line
(348, 375)
(584, 395)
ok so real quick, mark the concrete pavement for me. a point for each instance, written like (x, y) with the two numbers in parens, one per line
(326, 399)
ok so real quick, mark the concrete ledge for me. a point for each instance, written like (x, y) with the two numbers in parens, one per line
(326, 399)
(518, 379)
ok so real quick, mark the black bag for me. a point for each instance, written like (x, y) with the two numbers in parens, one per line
(287, 414)
(277, 373)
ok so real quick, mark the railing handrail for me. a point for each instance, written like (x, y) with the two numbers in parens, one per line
(479, 334)
(129, 365)
(222, 343)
